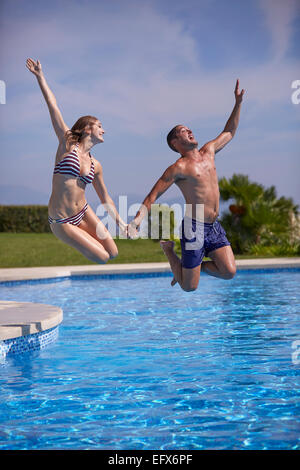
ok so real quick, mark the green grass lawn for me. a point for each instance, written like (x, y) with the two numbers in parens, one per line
(43, 249)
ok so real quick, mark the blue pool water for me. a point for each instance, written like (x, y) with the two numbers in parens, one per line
(141, 365)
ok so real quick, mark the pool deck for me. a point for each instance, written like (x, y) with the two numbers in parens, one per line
(25, 318)
(22, 274)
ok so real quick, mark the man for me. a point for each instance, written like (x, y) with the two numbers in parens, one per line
(195, 175)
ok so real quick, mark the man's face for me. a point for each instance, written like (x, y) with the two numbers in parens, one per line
(185, 137)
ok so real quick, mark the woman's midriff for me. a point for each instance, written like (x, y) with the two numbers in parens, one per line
(67, 198)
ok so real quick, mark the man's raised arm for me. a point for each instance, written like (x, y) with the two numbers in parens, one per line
(232, 123)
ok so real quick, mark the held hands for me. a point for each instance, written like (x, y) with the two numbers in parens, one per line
(238, 95)
(34, 67)
(129, 230)
(132, 230)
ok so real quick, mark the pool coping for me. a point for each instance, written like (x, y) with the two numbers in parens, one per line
(19, 319)
(20, 274)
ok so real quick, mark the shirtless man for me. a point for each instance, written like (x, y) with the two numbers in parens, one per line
(195, 175)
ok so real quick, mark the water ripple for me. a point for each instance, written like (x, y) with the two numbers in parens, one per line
(139, 365)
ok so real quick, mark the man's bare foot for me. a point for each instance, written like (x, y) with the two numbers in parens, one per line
(168, 245)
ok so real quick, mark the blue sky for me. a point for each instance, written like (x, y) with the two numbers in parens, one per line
(142, 67)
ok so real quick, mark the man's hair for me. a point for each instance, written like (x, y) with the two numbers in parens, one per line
(172, 135)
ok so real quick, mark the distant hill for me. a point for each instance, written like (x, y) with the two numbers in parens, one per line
(20, 195)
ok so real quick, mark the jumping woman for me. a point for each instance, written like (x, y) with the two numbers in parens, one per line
(70, 217)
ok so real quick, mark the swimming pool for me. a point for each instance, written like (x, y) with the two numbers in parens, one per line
(141, 365)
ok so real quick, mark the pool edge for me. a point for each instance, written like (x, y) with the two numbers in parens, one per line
(21, 274)
(19, 319)
(27, 326)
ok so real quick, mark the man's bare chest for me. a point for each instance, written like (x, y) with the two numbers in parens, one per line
(201, 170)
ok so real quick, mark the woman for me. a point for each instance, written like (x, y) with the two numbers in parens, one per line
(70, 217)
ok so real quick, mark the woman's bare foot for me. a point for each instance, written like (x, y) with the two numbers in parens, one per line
(168, 245)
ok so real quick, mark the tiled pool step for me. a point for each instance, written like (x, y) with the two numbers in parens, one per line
(27, 326)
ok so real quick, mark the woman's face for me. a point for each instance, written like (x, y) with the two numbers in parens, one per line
(97, 131)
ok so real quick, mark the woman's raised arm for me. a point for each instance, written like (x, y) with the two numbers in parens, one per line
(59, 125)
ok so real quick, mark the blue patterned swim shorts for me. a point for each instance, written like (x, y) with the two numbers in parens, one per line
(198, 239)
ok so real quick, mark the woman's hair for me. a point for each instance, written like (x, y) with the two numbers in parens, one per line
(75, 134)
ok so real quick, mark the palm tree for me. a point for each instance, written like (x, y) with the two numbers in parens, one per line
(257, 216)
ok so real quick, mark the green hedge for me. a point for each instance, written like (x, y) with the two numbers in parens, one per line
(24, 219)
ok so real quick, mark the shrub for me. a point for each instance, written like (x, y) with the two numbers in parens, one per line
(24, 219)
(258, 217)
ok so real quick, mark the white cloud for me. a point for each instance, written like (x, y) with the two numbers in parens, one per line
(279, 16)
(138, 67)
(140, 70)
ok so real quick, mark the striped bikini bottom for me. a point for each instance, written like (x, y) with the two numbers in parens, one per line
(74, 220)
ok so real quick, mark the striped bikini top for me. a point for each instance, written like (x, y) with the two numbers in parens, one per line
(70, 165)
